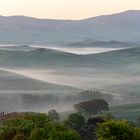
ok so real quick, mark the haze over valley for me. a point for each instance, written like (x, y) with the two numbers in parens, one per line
(41, 72)
(66, 57)
(69, 70)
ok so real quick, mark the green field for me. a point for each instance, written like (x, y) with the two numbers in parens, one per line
(130, 111)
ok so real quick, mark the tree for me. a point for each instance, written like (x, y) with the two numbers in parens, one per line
(59, 132)
(115, 130)
(90, 95)
(40, 119)
(92, 107)
(29, 100)
(20, 137)
(138, 121)
(53, 114)
(49, 98)
(88, 132)
(95, 120)
(75, 121)
(29, 125)
(136, 134)
(7, 133)
(38, 134)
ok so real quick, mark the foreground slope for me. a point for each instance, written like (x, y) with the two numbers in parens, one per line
(130, 112)
(14, 83)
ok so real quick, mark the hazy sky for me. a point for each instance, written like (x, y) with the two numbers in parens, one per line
(65, 9)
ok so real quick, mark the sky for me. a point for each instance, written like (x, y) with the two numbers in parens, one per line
(66, 9)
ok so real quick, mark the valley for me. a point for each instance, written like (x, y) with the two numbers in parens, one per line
(48, 71)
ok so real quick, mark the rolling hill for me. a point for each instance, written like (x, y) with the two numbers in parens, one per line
(115, 71)
(57, 59)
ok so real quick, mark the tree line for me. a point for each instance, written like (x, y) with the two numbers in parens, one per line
(86, 123)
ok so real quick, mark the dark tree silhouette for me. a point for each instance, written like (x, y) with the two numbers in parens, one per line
(75, 121)
(88, 132)
(92, 107)
(53, 114)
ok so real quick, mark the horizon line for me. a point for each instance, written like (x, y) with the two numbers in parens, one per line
(68, 19)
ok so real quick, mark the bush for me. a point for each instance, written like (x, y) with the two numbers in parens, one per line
(75, 121)
(115, 130)
(20, 137)
(53, 114)
(59, 132)
(38, 134)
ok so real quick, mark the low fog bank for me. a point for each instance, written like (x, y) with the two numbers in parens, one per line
(31, 74)
(45, 102)
(79, 50)
(88, 78)
(113, 87)
(69, 49)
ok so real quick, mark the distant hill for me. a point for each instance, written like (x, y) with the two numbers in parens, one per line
(27, 30)
(102, 44)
